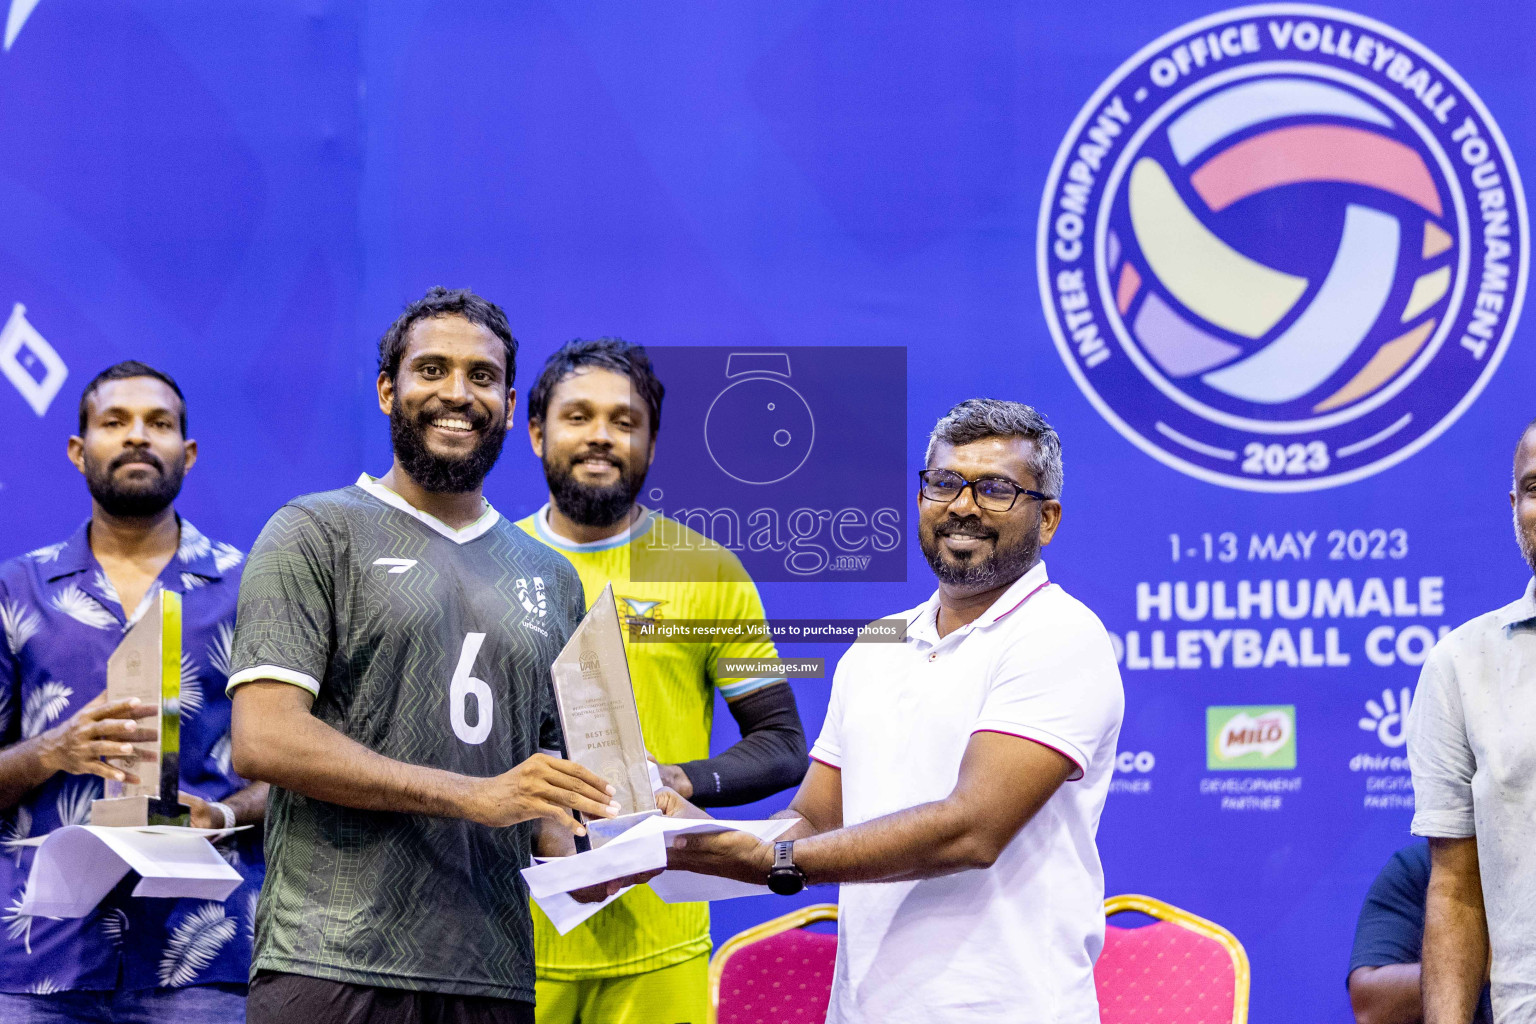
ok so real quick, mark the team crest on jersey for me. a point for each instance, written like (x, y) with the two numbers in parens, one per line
(531, 595)
(1283, 248)
(641, 611)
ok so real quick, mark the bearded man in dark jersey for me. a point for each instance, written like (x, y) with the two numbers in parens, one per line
(390, 680)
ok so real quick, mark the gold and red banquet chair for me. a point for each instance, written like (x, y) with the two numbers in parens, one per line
(776, 972)
(1181, 969)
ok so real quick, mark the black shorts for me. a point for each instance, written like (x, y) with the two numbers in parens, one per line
(297, 999)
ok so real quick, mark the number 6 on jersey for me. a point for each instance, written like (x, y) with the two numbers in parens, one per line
(463, 686)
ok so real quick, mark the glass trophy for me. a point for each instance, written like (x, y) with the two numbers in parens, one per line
(147, 665)
(599, 718)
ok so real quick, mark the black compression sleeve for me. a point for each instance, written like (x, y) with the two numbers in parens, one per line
(770, 756)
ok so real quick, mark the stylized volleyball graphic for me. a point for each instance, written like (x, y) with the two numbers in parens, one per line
(1283, 247)
(1351, 220)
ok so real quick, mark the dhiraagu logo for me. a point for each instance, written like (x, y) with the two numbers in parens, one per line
(1249, 737)
(1283, 247)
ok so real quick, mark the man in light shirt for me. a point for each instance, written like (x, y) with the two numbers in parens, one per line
(1472, 749)
(956, 788)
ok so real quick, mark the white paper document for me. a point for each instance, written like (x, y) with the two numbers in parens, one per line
(169, 830)
(767, 830)
(565, 913)
(641, 848)
(625, 855)
(692, 887)
(76, 866)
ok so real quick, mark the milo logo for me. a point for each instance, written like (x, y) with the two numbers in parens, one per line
(1250, 737)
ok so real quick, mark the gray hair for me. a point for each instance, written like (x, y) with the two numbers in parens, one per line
(977, 418)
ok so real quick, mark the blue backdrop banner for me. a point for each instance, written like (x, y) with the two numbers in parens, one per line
(1262, 267)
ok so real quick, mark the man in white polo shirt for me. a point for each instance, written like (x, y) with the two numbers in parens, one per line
(1472, 748)
(964, 770)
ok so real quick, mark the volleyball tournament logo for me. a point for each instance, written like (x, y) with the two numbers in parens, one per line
(1283, 248)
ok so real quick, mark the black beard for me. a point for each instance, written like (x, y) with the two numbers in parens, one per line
(133, 501)
(587, 505)
(998, 569)
(433, 472)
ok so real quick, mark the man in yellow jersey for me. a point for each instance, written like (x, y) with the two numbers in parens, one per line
(593, 418)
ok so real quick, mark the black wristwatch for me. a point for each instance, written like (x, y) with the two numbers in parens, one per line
(784, 877)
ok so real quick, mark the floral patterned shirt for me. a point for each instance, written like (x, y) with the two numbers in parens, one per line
(61, 620)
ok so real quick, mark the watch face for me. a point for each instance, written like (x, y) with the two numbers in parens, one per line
(759, 430)
(785, 881)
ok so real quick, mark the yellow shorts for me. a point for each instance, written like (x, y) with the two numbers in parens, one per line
(673, 995)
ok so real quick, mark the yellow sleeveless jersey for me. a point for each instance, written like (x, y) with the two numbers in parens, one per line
(674, 688)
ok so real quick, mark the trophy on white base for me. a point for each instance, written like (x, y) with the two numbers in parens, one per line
(147, 665)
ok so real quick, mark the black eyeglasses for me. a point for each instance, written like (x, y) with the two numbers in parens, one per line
(991, 493)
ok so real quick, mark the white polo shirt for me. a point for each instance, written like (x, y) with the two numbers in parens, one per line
(1016, 942)
(1472, 748)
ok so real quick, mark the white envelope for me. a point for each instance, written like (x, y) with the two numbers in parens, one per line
(692, 887)
(565, 913)
(76, 866)
(623, 856)
(642, 847)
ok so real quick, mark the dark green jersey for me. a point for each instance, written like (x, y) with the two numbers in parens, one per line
(430, 646)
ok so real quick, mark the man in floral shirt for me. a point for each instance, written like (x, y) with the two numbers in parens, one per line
(64, 608)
